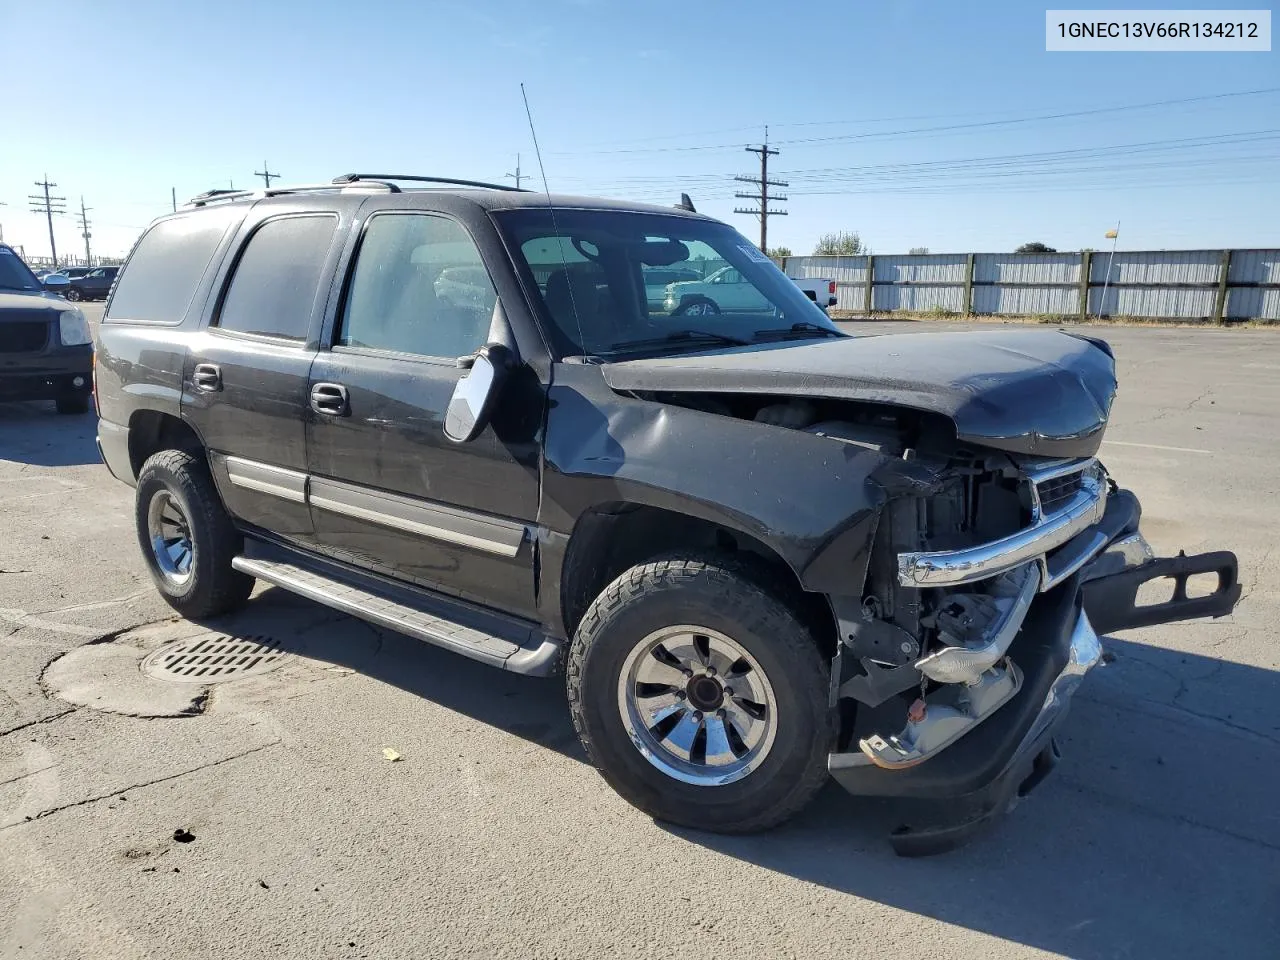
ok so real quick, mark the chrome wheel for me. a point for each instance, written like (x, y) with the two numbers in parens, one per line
(170, 534)
(697, 705)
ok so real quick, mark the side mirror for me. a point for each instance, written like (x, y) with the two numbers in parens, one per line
(55, 283)
(474, 396)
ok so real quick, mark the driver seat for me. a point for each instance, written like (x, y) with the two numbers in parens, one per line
(582, 305)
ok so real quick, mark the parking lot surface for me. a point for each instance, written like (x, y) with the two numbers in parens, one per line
(1157, 836)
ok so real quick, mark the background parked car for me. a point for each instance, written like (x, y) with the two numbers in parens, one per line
(725, 291)
(465, 286)
(75, 273)
(656, 282)
(94, 285)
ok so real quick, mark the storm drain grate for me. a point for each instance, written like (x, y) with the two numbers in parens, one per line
(213, 658)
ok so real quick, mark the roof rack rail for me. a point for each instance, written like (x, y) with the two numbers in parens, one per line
(347, 178)
(200, 199)
(212, 196)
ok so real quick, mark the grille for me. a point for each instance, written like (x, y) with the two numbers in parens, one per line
(212, 657)
(23, 336)
(1056, 493)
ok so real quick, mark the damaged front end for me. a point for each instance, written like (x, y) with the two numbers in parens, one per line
(989, 579)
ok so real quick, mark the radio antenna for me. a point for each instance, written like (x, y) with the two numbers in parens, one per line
(537, 152)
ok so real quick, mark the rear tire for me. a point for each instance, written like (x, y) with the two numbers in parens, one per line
(750, 772)
(187, 538)
(74, 295)
(74, 404)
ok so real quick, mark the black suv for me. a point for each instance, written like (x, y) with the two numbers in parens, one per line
(759, 549)
(46, 350)
(93, 284)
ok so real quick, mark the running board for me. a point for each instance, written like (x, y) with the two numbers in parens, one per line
(541, 659)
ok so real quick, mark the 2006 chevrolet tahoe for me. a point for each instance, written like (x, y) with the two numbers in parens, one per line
(759, 549)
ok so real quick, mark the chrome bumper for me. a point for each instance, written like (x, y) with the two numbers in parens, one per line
(945, 568)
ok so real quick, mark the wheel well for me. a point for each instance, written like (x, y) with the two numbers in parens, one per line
(151, 431)
(611, 538)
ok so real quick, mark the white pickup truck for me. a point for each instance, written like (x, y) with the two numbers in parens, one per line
(727, 289)
(821, 291)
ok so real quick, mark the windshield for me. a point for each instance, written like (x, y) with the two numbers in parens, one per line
(615, 282)
(14, 274)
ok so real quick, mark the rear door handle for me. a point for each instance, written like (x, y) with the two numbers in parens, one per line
(331, 399)
(207, 377)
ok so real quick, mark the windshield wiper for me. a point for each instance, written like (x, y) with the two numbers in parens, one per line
(684, 336)
(803, 326)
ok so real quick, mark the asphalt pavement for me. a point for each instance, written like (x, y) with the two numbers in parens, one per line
(1157, 836)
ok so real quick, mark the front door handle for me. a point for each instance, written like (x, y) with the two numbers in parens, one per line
(207, 377)
(331, 399)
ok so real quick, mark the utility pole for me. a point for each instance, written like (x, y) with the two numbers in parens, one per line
(517, 175)
(48, 206)
(266, 174)
(84, 231)
(761, 196)
(173, 195)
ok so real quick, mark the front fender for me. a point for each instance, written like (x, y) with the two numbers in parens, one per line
(811, 499)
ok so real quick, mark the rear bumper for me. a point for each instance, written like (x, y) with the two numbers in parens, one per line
(954, 794)
(47, 376)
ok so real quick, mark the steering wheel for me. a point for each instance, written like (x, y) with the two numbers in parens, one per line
(696, 306)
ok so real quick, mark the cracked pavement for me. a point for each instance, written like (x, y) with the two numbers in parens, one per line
(1158, 835)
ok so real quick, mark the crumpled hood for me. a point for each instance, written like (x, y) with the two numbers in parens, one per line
(1025, 391)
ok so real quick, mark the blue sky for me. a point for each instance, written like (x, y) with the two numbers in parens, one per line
(642, 101)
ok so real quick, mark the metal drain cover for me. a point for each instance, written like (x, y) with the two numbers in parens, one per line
(214, 658)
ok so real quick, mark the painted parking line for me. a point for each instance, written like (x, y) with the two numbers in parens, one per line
(1155, 446)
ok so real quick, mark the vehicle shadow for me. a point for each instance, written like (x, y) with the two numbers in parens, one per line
(35, 434)
(1157, 836)
(531, 708)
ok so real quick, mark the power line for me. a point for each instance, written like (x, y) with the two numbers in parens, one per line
(888, 134)
(761, 196)
(84, 231)
(1032, 119)
(48, 205)
(1054, 162)
(266, 174)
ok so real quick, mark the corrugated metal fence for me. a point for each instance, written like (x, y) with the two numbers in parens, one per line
(1211, 285)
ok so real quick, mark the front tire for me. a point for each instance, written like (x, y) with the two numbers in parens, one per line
(74, 295)
(187, 538)
(701, 697)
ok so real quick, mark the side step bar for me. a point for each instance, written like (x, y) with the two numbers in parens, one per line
(540, 659)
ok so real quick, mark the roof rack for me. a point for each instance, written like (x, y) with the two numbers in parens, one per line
(348, 181)
(213, 196)
(348, 178)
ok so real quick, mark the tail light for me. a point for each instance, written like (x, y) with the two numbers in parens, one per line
(831, 288)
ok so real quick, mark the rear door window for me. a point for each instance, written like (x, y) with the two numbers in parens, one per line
(166, 267)
(273, 290)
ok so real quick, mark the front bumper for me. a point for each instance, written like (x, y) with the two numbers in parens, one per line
(47, 376)
(961, 786)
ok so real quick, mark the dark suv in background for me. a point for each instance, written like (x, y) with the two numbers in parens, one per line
(759, 549)
(46, 350)
(93, 284)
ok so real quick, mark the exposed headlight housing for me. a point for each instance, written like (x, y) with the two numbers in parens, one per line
(73, 328)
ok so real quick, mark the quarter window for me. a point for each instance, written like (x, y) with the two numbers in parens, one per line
(418, 287)
(273, 289)
(166, 267)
